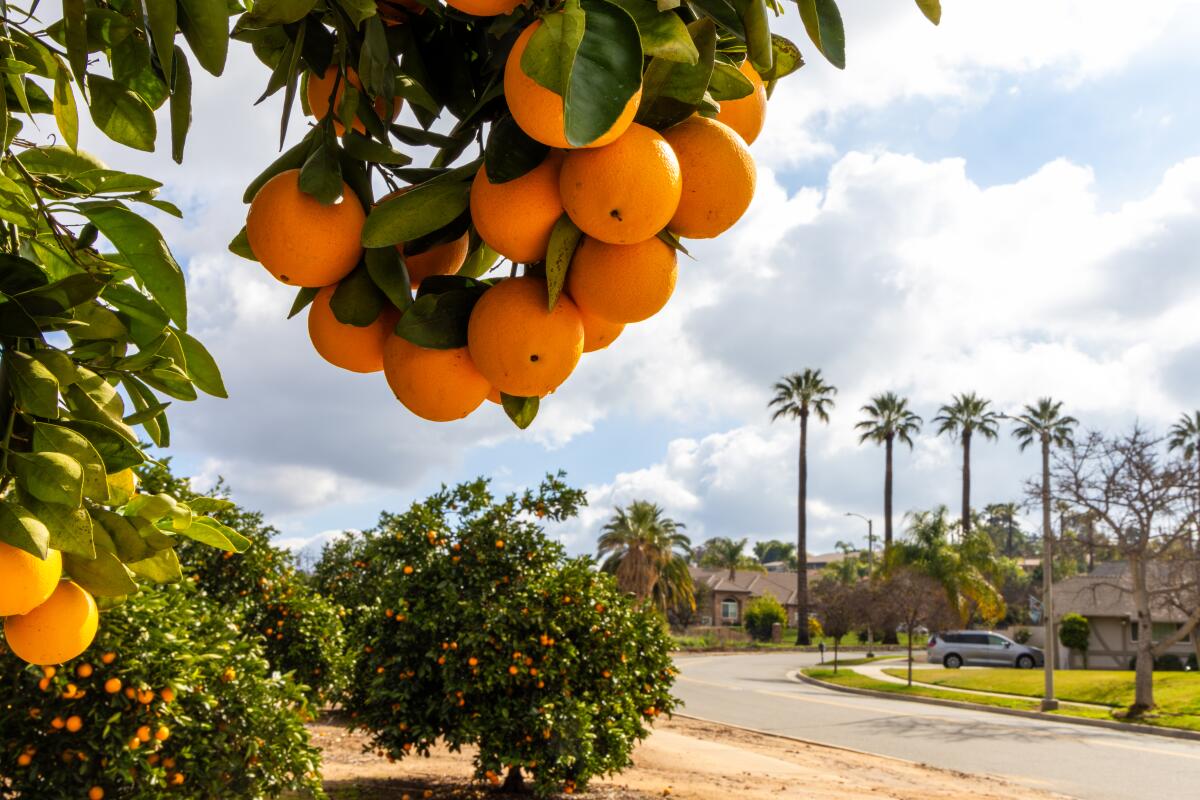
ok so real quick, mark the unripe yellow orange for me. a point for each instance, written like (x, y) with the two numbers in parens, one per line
(26, 581)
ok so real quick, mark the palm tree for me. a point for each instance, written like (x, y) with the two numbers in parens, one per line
(648, 554)
(966, 571)
(966, 415)
(1185, 437)
(797, 396)
(1004, 514)
(1046, 424)
(723, 553)
(888, 420)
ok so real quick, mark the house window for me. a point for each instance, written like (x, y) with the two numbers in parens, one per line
(729, 610)
(1159, 631)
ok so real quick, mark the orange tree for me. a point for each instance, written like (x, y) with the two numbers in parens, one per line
(476, 629)
(173, 701)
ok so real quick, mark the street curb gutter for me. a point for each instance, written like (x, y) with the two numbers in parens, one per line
(1129, 727)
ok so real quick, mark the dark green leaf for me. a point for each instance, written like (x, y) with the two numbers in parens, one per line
(21, 529)
(292, 158)
(293, 82)
(70, 528)
(55, 438)
(419, 137)
(132, 68)
(34, 387)
(119, 452)
(241, 246)
(356, 300)
(753, 14)
(672, 91)
(266, 13)
(564, 238)
(321, 175)
(823, 22)
(521, 410)
(358, 10)
(932, 9)
(303, 297)
(728, 83)
(787, 58)
(375, 60)
(422, 210)
(51, 477)
(181, 105)
(65, 112)
(479, 261)
(673, 240)
(552, 49)
(364, 149)
(201, 367)
(606, 73)
(387, 270)
(205, 25)
(122, 115)
(439, 321)
(725, 15)
(19, 274)
(163, 19)
(663, 33)
(510, 152)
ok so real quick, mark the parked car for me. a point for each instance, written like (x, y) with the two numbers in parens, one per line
(953, 649)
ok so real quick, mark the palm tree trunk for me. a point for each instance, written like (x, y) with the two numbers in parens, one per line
(887, 498)
(966, 484)
(802, 537)
(1048, 701)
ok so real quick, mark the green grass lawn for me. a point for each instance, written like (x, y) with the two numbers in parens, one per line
(709, 641)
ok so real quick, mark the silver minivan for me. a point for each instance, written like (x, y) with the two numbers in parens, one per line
(953, 649)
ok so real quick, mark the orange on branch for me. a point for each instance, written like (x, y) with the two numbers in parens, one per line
(539, 111)
(515, 218)
(622, 283)
(26, 581)
(484, 8)
(718, 177)
(298, 239)
(624, 192)
(56, 631)
(746, 115)
(519, 345)
(354, 348)
(321, 87)
(598, 333)
(437, 385)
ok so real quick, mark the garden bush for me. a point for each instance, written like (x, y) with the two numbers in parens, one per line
(171, 700)
(760, 614)
(1022, 636)
(474, 628)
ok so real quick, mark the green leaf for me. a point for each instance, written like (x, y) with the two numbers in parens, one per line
(59, 364)
(66, 115)
(424, 209)
(510, 152)
(365, 149)
(439, 321)
(932, 9)
(143, 248)
(34, 387)
(479, 261)
(356, 300)
(75, 35)
(787, 58)
(162, 567)
(70, 528)
(49, 476)
(321, 175)
(84, 407)
(521, 410)
(20, 528)
(728, 82)
(240, 246)
(606, 73)
(303, 297)
(358, 10)
(129, 544)
(823, 22)
(55, 438)
(388, 272)
(266, 13)
(104, 575)
(564, 238)
(208, 531)
(119, 452)
(552, 49)
(152, 507)
(753, 14)
(663, 34)
(122, 115)
(672, 91)
(132, 68)
(181, 105)
(201, 366)
(292, 158)
(724, 14)
(163, 20)
(205, 25)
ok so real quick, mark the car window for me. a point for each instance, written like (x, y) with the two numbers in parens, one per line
(975, 638)
(996, 641)
(952, 638)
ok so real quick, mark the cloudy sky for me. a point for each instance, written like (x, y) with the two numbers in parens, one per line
(1007, 204)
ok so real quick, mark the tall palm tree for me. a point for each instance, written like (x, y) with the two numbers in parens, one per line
(888, 421)
(723, 553)
(1045, 424)
(1185, 437)
(648, 553)
(966, 415)
(796, 397)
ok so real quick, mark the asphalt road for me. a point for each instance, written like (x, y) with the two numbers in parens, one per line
(1090, 763)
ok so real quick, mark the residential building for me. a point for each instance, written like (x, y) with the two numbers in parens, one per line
(727, 596)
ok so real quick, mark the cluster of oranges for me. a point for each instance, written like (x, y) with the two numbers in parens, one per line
(633, 192)
(46, 620)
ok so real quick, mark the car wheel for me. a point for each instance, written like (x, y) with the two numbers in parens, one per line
(952, 661)
(1025, 662)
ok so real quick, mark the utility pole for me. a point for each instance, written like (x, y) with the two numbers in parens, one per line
(1049, 703)
(870, 573)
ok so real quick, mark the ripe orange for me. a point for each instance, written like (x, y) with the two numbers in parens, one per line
(143, 733)
(112, 685)
(437, 385)
(539, 111)
(74, 724)
(598, 333)
(348, 346)
(300, 241)
(718, 177)
(24, 760)
(746, 114)
(494, 396)
(524, 349)
(163, 733)
(108, 658)
(95, 793)
(624, 192)
(168, 695)
(484, 8)
(622, 282)
(84, 670)
(56, 631)
(515, 218)
(26, 580)
(319, 89)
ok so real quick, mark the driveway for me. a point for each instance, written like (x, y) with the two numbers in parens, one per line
(753, 691)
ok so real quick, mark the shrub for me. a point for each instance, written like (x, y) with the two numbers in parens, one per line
(760, 614)
(480, 631)
(170, 670)
(1074, 631)
(1022, 636)
(815, 631)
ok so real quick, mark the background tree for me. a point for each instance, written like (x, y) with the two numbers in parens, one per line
(966, 415)
(1004, 528)
(888, 420)
(917, 600)
(760, 616)
(721, 552)
(796, 397)
(853, 566)
(775, 551)
(839, 608)
(648, 554)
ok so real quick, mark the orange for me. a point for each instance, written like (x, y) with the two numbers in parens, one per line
(539, 111)
(108, 658)
(519, 345)
(441, 259)
(484, 8)
(437, 385)
(348, 346)
(746, 114)
(143, 733)
(56, 631)
(319, 89)
(598, 333)
(163, 733)
(624, 192)
(494, 396)
(95, 793)
(168, 695)
(26, 580)
(300, 241)
(718, 177)
(622, 282)
(84, 670)
(112, 685)
(74, 724)
(515, 217)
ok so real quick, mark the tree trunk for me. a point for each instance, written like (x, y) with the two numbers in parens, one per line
(912, 624)
(966, 483)
(1143, 694)
(514, 782)
(836, 639)
(1008, 547)
(887, 497)
(1048, 701)
(802, 637)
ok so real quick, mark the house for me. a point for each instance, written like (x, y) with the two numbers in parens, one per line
(1105, 597)
(727, 596)
(822, 560)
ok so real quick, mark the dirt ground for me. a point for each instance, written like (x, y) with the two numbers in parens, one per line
(682, 759)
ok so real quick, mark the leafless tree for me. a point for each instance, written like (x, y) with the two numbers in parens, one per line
(839, 607)
(917, 600)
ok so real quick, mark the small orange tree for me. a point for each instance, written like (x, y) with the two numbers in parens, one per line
(481, 631)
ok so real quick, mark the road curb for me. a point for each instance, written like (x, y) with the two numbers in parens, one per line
(1129, 727)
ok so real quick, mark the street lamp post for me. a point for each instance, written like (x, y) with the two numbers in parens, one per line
(871, 570)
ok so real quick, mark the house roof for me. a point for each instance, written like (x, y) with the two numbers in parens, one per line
(1108, 592)
(782, 585)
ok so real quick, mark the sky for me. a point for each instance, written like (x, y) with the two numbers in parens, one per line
(1008, 203)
